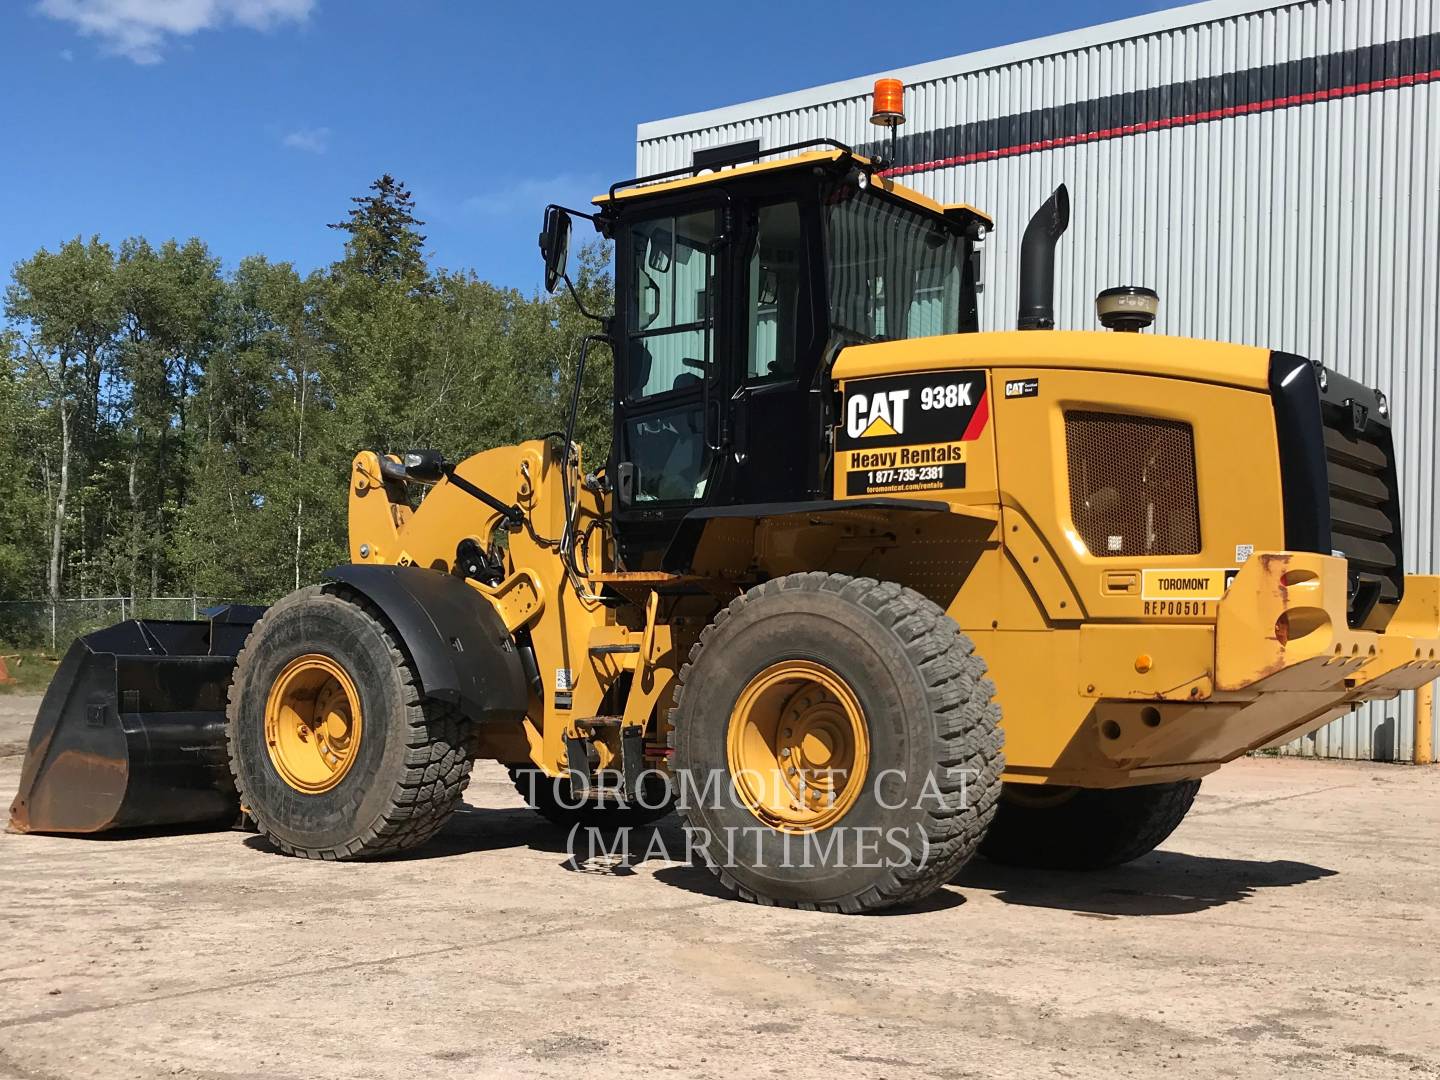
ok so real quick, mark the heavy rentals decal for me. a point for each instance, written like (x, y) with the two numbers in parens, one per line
(904, 433)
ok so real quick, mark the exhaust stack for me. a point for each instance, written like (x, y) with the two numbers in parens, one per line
(1037, 261)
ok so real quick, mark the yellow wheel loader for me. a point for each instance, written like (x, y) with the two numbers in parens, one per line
(840, 534)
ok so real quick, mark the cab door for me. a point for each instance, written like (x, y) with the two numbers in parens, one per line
(775, 413)
(670, 375)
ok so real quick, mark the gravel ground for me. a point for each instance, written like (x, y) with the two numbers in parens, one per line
(1288, 928)
(17, 711)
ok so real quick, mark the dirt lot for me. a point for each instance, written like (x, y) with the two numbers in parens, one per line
(1289, 927)
(16, 713)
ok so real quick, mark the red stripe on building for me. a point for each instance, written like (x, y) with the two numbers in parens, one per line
(1269, 105)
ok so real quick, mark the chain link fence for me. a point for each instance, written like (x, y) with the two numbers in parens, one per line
(37, 624)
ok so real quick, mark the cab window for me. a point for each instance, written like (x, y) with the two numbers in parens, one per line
(774, 294)
(671, 318)
(894, 272)
(668, 451)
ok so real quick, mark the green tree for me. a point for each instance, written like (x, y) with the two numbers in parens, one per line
(170, 324)
(22, 545)
(267, 498)
(169, 426)
(384, 242)
(67, 307)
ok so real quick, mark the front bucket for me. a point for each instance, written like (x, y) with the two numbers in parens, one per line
(132, 730)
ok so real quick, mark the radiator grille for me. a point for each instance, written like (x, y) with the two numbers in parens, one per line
(1132, 484)
(1364, 510)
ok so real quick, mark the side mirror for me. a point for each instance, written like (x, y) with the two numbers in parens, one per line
(555, 245)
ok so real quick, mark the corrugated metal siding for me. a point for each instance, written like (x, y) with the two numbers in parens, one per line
(1313, 228)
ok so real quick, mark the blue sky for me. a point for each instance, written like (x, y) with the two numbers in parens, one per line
(250, 123)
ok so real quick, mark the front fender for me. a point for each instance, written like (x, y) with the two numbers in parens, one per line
(460, 648)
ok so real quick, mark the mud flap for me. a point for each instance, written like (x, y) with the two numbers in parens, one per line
(131, 732)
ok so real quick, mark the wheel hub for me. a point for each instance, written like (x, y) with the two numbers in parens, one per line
(313, 723)
(798, 746)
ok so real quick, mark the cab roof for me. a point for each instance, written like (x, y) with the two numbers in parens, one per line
(638, 189)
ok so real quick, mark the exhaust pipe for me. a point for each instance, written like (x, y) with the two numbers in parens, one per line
(1037, 262)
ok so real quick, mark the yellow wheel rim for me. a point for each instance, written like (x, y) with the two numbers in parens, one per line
(312, 723)
(798, 746)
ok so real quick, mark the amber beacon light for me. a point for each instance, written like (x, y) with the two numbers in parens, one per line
(888, 112)
(889, 109)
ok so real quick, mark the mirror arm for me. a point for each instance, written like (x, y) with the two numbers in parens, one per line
(594, 219)
(579, 304)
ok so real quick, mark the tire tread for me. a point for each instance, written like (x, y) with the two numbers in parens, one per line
(1094, 830)
(965, 720)
(437, 759)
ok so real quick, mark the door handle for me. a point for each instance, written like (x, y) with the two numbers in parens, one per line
(714, 412)
(740, 425)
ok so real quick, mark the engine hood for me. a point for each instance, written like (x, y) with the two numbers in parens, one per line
(1242, 366)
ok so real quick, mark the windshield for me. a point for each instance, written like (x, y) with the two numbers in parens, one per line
(894, 272)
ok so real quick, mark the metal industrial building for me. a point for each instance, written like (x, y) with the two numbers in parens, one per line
(1272, 169)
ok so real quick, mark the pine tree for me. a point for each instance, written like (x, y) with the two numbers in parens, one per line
(385, 243)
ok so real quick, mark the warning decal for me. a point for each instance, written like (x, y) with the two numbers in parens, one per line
(907, 433)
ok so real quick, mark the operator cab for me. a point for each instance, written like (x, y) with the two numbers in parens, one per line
(735, 290)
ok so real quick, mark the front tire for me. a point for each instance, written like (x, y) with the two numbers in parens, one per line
(1084, 828)
(334, 750)
(836, 743)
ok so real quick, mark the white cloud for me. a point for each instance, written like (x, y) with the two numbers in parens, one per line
(311, 140)
(67, 55)
(528, 195)
(140, 29)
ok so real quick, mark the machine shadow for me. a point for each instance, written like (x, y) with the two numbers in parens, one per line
(471, 830)
(703, 882)
(142, 832)
(684, 870)
(1161, 883)
(605, 854)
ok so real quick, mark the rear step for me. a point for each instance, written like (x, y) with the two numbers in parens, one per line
(131, 732)
(581, 758)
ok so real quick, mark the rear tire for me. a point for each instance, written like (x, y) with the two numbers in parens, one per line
(403, 777)
(853, 670)
(1084, 828)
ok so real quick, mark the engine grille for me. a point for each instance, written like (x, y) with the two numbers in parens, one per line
(1364, 505)
(1337, 475)
(1132, 484)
